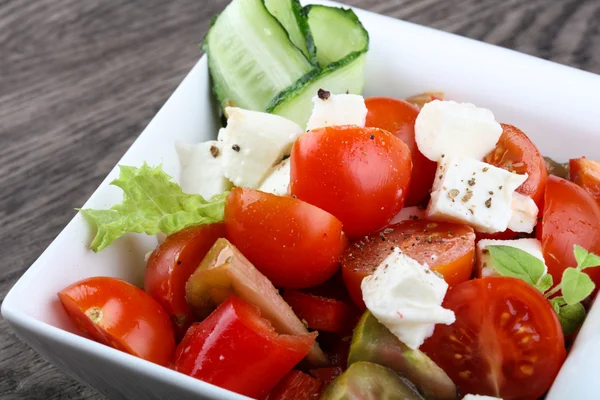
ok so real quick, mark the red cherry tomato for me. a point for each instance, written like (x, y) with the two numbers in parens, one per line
(506, 342)
(297, 386)
(516, 153)
(586, 173)
(118, 314)
(170, 266)
(360, 175)
(321, 313)
(398, 117)
(236, 349)
(294, 244)
(571, 216)
(447, 248)
(326, 375)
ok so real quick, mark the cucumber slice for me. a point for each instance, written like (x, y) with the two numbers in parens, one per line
(250, 56)
(342, 43)
(345, 77)
(291, 15)
(336, 32)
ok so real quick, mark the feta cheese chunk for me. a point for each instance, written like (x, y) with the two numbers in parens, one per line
(524, 214)
(202, 168)
(253, 142)
(337, 109)
(485, 264)
(472, 192)
(406, 297)
(480, 397)
(278, 180)
(455, 129)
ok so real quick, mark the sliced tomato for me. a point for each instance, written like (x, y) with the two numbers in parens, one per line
(236, 349)
(294, 244)
(120, 315)
(506, 342)
(297, 386)
(360, 175)
(321, 313)
(571, 217)
(586, 173)
(516, 153)
(170, 266)
(447, 248)
(398, 117)
(326, 375)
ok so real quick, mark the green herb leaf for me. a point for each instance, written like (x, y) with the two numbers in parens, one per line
(576, 285)
(516, 263)
(557, 303)
(571, 316)
(545, 283)
(152, 203)
(585, 259)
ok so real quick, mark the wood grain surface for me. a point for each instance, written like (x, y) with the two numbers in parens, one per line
(80, 79)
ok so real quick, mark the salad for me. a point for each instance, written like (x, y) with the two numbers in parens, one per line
(327, 245)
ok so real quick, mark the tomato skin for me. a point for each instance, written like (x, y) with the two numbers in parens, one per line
(326, 375)
(294, 244)
(586, 173)
(297, 386)
(236, 349)
(571, 216)
(515, 152)
(170, 266)
(398, 117)
(321, 313)
(126, 317)
(506, 341)
(446, 247)
(360, 175)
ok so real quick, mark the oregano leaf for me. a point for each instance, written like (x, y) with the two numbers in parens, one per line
(576, 285)
(517, 263)
(585, 259)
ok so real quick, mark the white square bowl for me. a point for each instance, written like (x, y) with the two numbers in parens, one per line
(556, 105)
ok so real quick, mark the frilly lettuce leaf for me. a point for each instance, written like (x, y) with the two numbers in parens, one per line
(152, 203)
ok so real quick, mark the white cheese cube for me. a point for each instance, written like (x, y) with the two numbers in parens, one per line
(337, 109)
(406, 297)
(524, 214)
(485, 264)
(408, 213)
(455, 129)
(253, 142)
(472, 192)
(480, 397)
(202, 168)
(278, 180)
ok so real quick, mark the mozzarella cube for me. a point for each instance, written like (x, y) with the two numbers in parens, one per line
(487, 267)
(524, 214)
(253, 142)
(408, 213)
(406, 297)
(202, 168)
(337, 109)
(278, 180)
(455, 129)
(472, 192)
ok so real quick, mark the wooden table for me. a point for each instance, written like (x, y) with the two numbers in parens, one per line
(79, 80)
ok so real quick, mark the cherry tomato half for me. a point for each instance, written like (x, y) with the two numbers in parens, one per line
(398, 117)
(170, 266)
(447, 248)
(297, 386)
(118, 314)
(360, 175)
(506, 341)
(294, 244)
(571, 216)
(322, 313)
(516, 153)
(236, 349)
(586, 173)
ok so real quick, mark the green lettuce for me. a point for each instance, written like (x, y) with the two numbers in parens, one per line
(152, 203)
